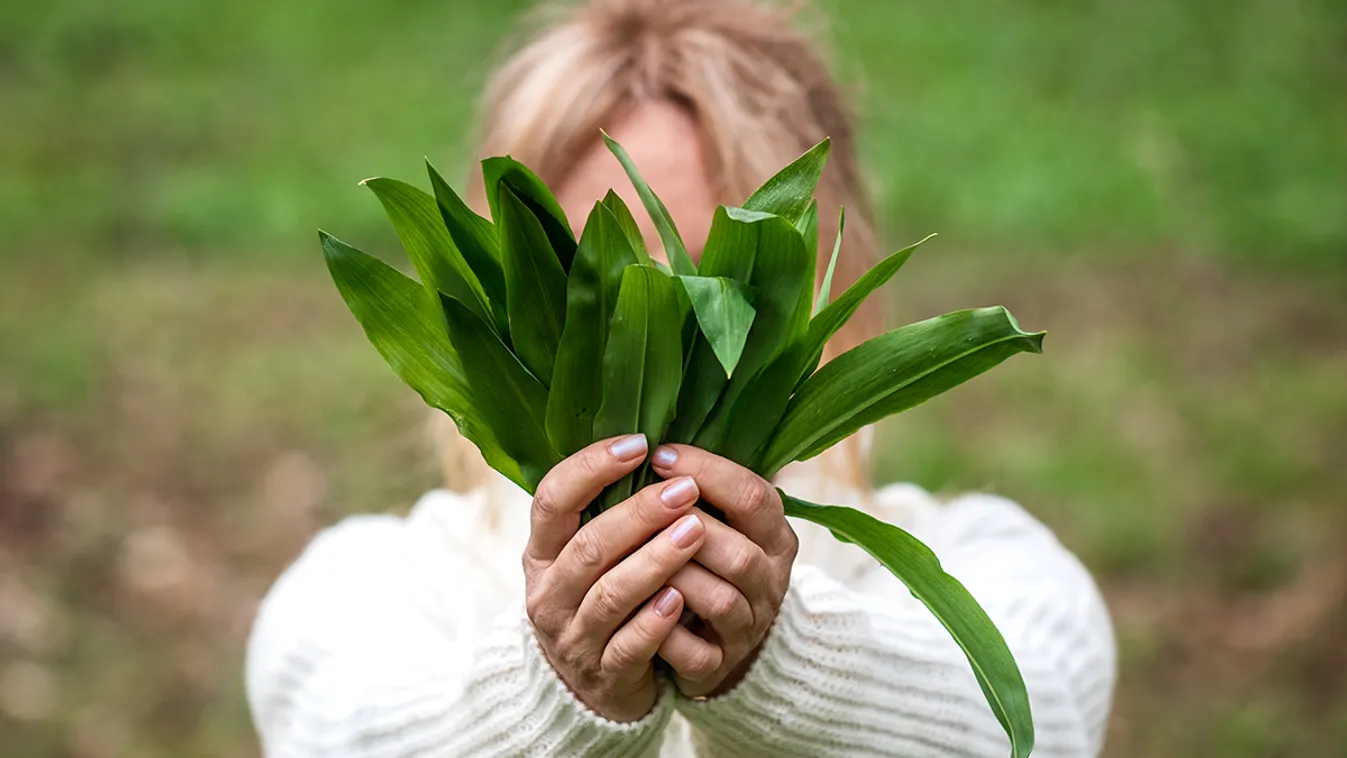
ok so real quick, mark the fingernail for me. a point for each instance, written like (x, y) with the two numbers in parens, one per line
(667, 602)
(686, 531)
(664, 457)
(629, 448)
(680, 492)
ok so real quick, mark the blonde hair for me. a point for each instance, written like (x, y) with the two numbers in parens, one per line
(757, 90)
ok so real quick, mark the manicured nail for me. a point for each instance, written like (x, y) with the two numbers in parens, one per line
(664, 457)
(679, 492)
(686, 531)
(629, 448)
(667, 602)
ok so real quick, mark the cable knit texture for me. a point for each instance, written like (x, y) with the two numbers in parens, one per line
(397, 637)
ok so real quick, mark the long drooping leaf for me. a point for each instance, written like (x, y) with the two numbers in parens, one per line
(674, 249)
(508, 398)
(642, 365)
(833, 316)
(788, 193)
(536, 286)
(476, 241)
(782, 272)
(891, 373)
(498, 172)
(591, 295)
(613, 202)
(724, 309)
(825, 290)
(416, 218)
(403, 322)
(948, 600)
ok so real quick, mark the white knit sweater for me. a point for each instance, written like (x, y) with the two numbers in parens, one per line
(394, 637)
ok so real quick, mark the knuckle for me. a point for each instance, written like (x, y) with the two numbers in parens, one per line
(745, 561)
(535, 599)
(541, 614)
(587, 464)
(621, 654)
(723, 602)
(701, 662)
(753, 494)
(533, 606)
(587, 551)
(792, 543)
(544, 502)
(607, 601)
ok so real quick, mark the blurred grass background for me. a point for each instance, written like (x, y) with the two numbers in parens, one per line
(1161, 184)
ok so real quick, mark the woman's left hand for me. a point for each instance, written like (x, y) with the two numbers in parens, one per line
(737, 580)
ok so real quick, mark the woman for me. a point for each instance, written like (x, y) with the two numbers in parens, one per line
(422, 636)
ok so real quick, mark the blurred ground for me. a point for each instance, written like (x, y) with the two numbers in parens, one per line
(184, 400)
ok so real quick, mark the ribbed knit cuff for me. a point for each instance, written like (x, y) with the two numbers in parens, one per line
(763, 697)
(569, 727)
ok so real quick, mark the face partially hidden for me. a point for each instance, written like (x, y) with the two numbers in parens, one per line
(662, 139)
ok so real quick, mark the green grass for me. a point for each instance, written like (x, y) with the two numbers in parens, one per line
(183, 398)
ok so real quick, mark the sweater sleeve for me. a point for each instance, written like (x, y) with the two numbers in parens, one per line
(367, 648)
(865, 669)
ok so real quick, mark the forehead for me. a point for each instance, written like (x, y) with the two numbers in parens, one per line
(663, 141)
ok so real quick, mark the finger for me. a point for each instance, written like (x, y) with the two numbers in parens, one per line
(735, 558)
(617, 593)
(573, 484)
(749, 502)
(714, 600)
(629, 652)
(616, 533)
(696, 662)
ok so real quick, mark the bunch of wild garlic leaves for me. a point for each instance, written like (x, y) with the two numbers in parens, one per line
(537, 345)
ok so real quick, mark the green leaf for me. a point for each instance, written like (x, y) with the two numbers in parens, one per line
(535, 284)
(952, 604)
(613, 202)
(498, 172)
(704, 380)
(416, 218)
(674, 249)
(833, 316)
(891, 373)
(825, 290)
(788, 193)
(808, 226)
(591, 295)
(732, 244)
(772, 258)
(508, 398)
(725, 313)
(767, 253)
(476, 241)
(731, 251)
(642, 366)
(403, 322)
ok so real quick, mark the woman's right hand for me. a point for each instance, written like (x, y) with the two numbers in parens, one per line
(583, 584)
